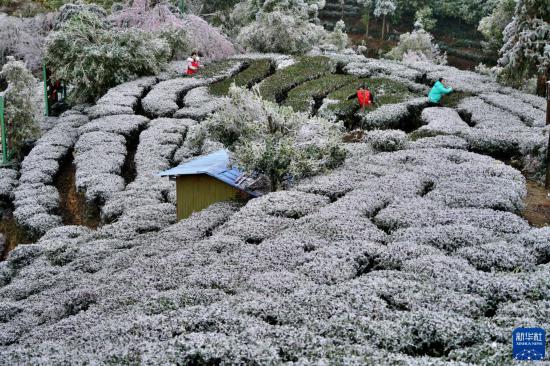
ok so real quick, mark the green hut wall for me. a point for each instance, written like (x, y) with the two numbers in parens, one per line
(197, 192)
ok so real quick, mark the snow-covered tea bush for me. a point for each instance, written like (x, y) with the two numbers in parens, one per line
(8, 182)
(412, 256)
(273, 141)
(162, 100)
(36, 198)
(387, 140)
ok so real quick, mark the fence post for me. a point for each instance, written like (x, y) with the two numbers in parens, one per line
(4, 135)
(547, 180)
(45, 78)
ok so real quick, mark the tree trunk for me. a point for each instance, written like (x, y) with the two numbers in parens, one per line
(383, 27)
(367, 34)
(541, 84)
(342, 4)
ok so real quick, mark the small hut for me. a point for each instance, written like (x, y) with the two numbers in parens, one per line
(207, 180)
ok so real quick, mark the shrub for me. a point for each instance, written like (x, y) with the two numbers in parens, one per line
(281, 32)
(93, 57)
(272, 141)
(338, 37)
(417, 46)
(20, 109)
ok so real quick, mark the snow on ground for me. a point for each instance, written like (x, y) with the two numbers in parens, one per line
(412, 252)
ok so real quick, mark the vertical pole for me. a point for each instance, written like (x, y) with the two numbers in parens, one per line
(182, 6)
(45, 78)
(4, 136)
(547, 180)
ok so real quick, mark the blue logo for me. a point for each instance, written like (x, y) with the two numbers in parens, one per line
(529, 344)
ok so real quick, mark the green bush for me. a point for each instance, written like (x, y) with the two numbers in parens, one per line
(256, 71)
(93, 57)
(303, 96)
(278, 85)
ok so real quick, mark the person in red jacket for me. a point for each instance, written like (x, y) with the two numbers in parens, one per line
(193, 63)
(365, 97)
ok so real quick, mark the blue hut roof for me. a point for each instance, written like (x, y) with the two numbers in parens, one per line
(216, 165)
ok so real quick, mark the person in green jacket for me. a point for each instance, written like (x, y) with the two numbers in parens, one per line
(438, 91)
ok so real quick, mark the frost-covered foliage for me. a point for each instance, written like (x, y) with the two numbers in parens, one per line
(147, 15)
(392, 116)
(24, 38)
(19, 107)
(417, 46)
(246, 11)
(100, 154)
(207, 39)
(387, 140)
(198, 104)
(526, 49)
(36, 197)
(273, 141)
(338, 37)
(157, 145)
(309, 276)
(192, 32)
(442, 121)
(71, 10)
(415, 256)
(530, 115)
(162, 100)
(282, 32)
(93, 56)
(122, 99)
(8, 182)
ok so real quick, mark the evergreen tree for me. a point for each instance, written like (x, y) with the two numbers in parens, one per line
(526, 49)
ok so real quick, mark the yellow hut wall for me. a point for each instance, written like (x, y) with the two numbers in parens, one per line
(197, 192)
